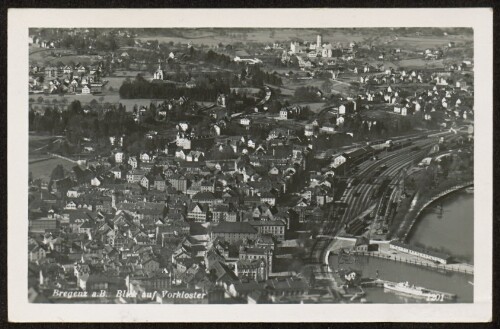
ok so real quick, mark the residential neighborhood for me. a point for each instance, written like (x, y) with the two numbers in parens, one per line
(230, 166)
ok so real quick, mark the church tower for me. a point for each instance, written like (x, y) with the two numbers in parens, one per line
(158, 75)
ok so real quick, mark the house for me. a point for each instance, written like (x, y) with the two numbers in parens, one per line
(73, 193)
(159, 183)
(135, 175)
(328, 129)
(36, 253)
(195, 156)
(178, 182)
(117, 172)
(245, 121)
(267, 197)
(86, 90)
(309, 129)
(290, 112)
(119, 157)
(96, 181)
(254, 270)
(198, 212)
(132, 161)
(145, 157)
(223, 213)
(150, 265)
(145, 182)
(264, 253)
(339, 160)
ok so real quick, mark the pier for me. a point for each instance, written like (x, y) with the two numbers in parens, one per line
(402, 258)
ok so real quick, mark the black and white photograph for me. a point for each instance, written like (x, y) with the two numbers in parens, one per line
(173, 164)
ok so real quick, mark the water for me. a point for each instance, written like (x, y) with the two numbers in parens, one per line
(451, 230)
(450, 282)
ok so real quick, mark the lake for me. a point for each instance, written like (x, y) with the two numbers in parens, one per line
(448, 225)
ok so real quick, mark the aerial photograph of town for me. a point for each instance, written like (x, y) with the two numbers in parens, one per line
(251, 165)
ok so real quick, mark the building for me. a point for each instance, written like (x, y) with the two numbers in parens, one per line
(86, 90)
(234, 231)
(223, 213)
(159, 74)
(135, 175)
(420, 252)
(251, 270)
(275, 228)
(41, 225)
(198, 213)
(178, 182)
(262, 253)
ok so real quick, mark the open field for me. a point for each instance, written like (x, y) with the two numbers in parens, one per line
(315, 107)
(42, 55)
(114, 82)
(43, 168)
(423, 42)
(113, 98)
(420, 63)
(212, 37)
(38, 141)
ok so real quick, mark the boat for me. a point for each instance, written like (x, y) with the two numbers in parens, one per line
(406, 288)
(469, 189)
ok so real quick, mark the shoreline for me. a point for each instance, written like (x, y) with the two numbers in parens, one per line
(461, 268)
(435, 198)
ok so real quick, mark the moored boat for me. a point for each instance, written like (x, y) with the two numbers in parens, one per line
(415, 291)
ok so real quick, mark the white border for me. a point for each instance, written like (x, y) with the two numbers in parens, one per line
(19, 20)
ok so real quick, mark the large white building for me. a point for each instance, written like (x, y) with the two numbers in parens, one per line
(313, 49)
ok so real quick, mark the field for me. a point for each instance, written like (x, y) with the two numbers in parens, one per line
(40, 163)
(419, 63)
(42, 55)
(39, 141)
(212, 37)
(43, 167)
(428, 41)
(314, 107)
(85, 99)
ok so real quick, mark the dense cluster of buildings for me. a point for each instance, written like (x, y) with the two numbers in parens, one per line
(66, 79)
(188, 216)
(177, 217)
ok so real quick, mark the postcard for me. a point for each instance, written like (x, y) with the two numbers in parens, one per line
(292, 165)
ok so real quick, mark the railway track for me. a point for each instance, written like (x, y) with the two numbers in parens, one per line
(359, 198)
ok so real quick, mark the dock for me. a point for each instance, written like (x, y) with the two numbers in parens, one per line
(380, 283)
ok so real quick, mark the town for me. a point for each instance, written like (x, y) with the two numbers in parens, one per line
(235, 164)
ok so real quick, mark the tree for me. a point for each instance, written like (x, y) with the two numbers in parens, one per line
(75, 107)
(57, 173)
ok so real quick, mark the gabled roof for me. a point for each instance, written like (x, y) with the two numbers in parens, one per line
(234, 227)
